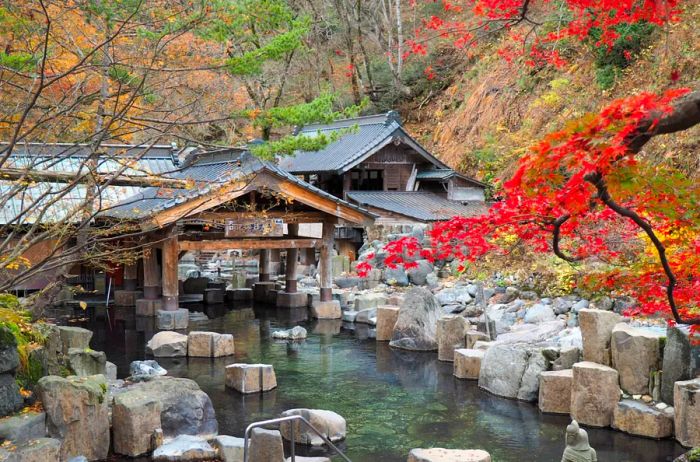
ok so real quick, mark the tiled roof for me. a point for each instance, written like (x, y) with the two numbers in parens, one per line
(366, 136)
(435, 174)
(227, 166)
(423, 206)
(69, 157)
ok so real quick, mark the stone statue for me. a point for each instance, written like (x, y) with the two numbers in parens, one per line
(577, 447)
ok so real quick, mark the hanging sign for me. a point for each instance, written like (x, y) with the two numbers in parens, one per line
(254, 228)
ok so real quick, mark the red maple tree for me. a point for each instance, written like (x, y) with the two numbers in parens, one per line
(584, 192)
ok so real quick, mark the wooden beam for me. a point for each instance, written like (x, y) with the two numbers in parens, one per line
(139, 181)
(250, 244)
(325, 268)
(288, 217)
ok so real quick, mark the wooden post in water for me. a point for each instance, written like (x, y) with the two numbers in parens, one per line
(292, 256)
(131, 276)
(325, 265)
(151, 278)
(170, 280)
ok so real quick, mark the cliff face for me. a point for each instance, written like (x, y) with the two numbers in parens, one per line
(492, 111)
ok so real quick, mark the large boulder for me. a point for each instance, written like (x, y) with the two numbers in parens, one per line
(641, 419)
(167, 344)
(448, 455)
(329, 423)
(596, 330)
(555, 391)
(416, 326)
(85, 362)
(135, 417)
(636, 354)
(681, 360)
(185, 408)
(9, 357)
(451, 335)
(686, 403)
(594, 394)
(77, 412)
(512, 371)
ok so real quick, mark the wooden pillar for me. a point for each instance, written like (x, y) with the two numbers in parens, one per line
(264, 265)
(325, 269)
(151, 277)
(131, 276)
(292, 257)
(170, 282)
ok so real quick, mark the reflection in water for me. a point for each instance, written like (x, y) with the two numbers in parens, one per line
(393, 400)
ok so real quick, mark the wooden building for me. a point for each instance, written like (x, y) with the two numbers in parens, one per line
(376, 154)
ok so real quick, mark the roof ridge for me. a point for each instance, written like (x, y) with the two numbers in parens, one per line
(373, 119)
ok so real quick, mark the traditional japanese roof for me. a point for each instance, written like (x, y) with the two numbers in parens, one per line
(421, 206)
(135, 160)
(444, 174)
(366, 135)
(218, 177)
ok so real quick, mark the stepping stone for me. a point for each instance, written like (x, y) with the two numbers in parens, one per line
(250, 378)
(555, 391)
(448, 455)
(230, 448)
(265, 446)
(134, 419)
(451, 334)
(167, 344)
(594, 393)
(209, 344)
(326, 310)
(467, 363)
(386, 320)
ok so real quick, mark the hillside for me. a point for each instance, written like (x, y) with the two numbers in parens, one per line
(491, 111)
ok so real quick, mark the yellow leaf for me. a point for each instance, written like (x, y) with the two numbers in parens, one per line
(83, 305)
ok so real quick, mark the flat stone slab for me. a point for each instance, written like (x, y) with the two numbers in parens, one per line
(251, 378)
(185, 448)
(35, 450)
(467, 363)
(448, 455)
(640, 419)
(555, 391)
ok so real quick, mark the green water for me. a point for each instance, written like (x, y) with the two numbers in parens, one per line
(392, 400)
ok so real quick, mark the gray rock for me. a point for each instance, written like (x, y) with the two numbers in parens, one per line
(498, 313)
(347, 282)
(505, 366)
(419, 274)
(9, 358)
(23, 427)
(604, 303)
(295, 333)
(539, 313)
(86, 362)
(454, 295)
(367, 316)
(110, 371)
(395, 276)
(563, 305)
(416, 326)
(681, 360)
(135, 420)
(636, 354)
(35, 450)
(184, 448)
(85, 429)
(349, 316)
(74, 337)
(147, 368)
(579, 305)
(167, 344)
(622, 304)
(567, 358)
(532, 333)
(10, 399)
(432, 281)
(185, 408)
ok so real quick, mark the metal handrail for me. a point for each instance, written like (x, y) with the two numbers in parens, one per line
(250, 427)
